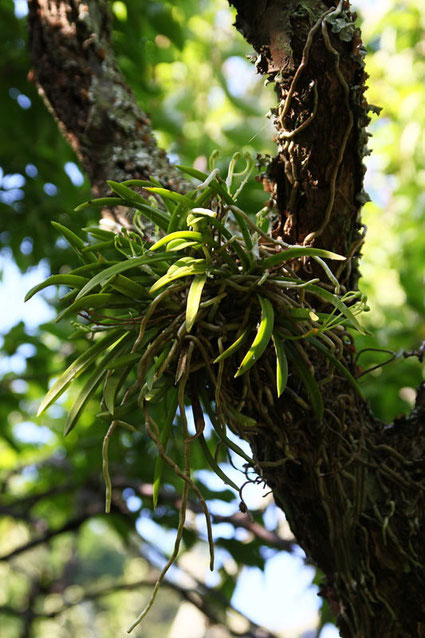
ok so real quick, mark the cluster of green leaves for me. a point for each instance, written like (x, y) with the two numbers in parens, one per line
(164, 316)
(204, 257)
(194, 108)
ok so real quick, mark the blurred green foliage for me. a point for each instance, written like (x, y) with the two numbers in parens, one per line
(187, 66)
(393, 264)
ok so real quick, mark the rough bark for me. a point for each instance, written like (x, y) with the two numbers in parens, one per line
(77, 75)
(351, 487)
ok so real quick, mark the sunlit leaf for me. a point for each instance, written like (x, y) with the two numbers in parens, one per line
(298, 251)
(74, 241)
(281, 364)
(183, 271)
(262, 338)
(91, 385)
(76, 368)
(193, 300)
(72, 281)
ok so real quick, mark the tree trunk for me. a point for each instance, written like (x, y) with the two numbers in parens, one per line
(351, 487)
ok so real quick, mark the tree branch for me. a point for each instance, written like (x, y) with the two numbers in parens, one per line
(188, 594)
(208, 600)
(78, 77)
(70, 526)
(238, 519)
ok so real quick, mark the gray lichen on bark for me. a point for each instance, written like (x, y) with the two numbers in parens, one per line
(78, 76)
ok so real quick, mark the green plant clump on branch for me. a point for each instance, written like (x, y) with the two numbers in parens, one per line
(168, 318)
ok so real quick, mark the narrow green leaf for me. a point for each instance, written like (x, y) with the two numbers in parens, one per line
(67, 299)
(100, 300)
(184, 261)
(159, 217)
(76, 368)
(207, 194)
(88, 269)
(193, 172)
(99, 233)
(184, 271)
(74, 241)
(194, 299)
(159, 390)
(214, 465)
(120, 411)
(310, 383)
(110, 391)
(336, 362)
(235, 345)
(182, 234)
(98, 246)
(125, 192)
(125, 360)
(219, 430)
(113, 383)
(339, 305)
(305, 313)
(132, 243)
(151, 377)
(178, 213)
(132, 357)
(262, 337)
(90, 387)
(194, 221)
(239, 418)
(172, 195)
(246, 233)
(72, 281)
(103, 277)
(241, 253)
(281, 364)
(181, 244)
(172, 401)
(131, 198)
(140, 183)
(128, 287)
(298, 251)
(100, 202)
(220, 190)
